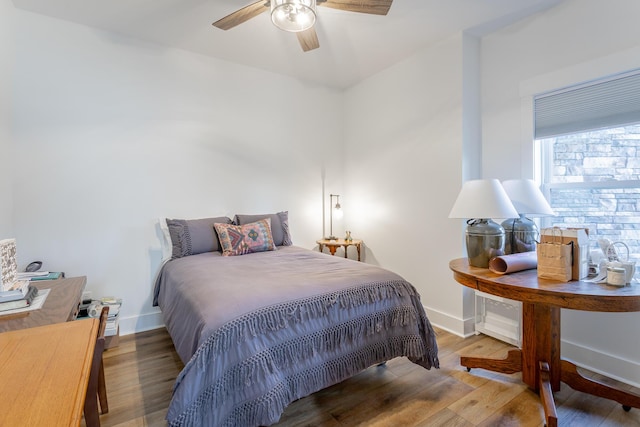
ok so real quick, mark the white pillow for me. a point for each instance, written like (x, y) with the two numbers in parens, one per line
(166, 239)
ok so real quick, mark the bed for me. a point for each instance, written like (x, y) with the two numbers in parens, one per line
(258, 331)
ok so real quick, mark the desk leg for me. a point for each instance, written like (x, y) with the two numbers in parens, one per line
(358, 248)
(576, 381)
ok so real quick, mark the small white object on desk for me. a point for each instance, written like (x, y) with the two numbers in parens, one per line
(616, 276)
(8, 264)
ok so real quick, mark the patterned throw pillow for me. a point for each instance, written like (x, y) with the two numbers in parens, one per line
(279, 225)
(245, 239)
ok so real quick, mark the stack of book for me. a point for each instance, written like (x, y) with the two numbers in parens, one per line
(19, 295)
(41, 275)
(114, 305)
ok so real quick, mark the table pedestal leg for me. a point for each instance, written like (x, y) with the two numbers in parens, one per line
(576, 381)
(541, 365)
(539, 359)
(509, 365)
(540, 343)
(541, 354)
(546, 396)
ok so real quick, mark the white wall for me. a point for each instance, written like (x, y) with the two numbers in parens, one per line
(112, 133)
(6, 162)
(404, 150)
(577, 41)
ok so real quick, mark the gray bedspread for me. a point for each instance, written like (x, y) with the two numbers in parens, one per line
(258, 331)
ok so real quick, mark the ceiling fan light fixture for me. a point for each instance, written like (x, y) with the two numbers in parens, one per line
(293, 15)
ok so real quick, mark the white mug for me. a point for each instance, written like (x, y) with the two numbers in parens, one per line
(630, 268)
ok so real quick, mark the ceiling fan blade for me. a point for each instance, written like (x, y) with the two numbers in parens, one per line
(308, 39)
(375, 7)
(242, 15)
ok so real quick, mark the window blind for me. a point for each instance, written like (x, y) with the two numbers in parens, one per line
(595, 105)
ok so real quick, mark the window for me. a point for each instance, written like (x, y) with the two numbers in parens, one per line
(588, 158)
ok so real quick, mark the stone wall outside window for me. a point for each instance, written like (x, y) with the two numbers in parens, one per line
(598, 156)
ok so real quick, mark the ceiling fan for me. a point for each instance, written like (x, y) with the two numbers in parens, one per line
(299, 16)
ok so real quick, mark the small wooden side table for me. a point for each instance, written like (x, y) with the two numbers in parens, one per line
(335, 244)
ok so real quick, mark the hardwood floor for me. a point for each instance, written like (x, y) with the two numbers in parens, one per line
(140, 373)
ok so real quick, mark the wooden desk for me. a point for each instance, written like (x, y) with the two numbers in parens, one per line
(539, 359)
(335, 244)
(44, 373)
(61, 305)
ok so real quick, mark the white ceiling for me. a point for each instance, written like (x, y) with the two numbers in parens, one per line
(353, 46)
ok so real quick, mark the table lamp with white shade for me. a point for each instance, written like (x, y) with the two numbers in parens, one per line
(479, 201)
(521, 233)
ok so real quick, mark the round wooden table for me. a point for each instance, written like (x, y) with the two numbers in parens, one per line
(539, 359)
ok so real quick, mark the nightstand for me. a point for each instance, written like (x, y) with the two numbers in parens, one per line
(335, 244)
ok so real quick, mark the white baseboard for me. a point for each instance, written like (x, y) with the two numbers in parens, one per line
(140, 323)
(612, 366)
(455, 325)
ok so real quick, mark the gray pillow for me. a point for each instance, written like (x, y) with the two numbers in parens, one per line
(279, 226)
(194, 236)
